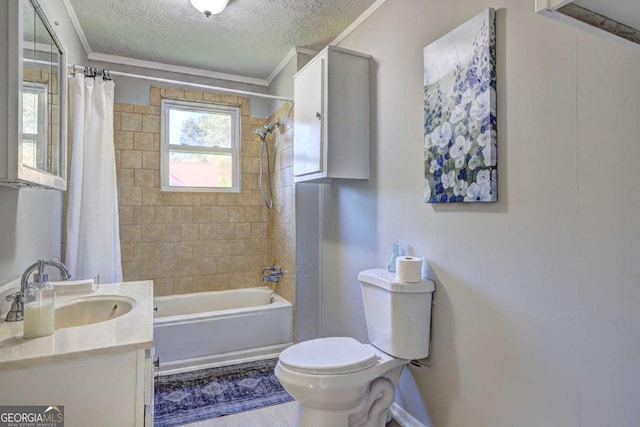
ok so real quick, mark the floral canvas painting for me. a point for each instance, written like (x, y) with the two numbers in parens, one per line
(460, 132)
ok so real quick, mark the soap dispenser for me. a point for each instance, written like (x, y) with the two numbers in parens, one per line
(394, 256)
(39, 308)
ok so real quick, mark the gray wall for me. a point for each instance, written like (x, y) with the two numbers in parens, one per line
(535, 318)
(30, 219)
(30, 228)
(282, 84)
(307, 313)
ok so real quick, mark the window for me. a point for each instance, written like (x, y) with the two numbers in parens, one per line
(34, 125)
(200, 147)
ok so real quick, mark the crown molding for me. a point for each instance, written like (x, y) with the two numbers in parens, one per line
(123, 60)
(359, 20)
(287, 58)
(76, 25)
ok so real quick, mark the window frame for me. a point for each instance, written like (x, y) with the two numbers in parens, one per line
(166, 106)
(39, 139)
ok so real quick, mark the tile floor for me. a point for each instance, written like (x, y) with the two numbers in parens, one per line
(277, 415)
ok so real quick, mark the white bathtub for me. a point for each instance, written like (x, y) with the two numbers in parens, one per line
(206, 329)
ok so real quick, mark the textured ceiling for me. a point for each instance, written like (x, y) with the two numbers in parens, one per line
(249, 38)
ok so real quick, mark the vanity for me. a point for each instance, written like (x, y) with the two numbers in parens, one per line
(98, 364)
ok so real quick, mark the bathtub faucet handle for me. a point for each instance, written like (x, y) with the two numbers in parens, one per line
(269, 268)
(273, 276)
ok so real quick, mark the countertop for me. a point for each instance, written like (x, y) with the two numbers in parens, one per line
(129, 332)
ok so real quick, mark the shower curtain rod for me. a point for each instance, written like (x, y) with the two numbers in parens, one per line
(189, 84)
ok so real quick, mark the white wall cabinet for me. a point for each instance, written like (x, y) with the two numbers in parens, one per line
(104, 391)
(33, 98)
(331, 117)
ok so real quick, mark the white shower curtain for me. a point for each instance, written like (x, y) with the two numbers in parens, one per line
(93, 236)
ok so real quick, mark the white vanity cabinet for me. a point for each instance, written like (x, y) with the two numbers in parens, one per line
(331, 117)
(100, 370)
(102, 391)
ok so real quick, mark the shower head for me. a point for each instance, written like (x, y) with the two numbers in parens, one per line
(267, 129)
(260, 132)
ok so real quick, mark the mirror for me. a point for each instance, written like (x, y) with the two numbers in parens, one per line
(42, 143)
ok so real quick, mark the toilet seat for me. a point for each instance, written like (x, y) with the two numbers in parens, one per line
(329, 356)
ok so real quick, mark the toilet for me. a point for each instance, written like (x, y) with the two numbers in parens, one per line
(340, 382)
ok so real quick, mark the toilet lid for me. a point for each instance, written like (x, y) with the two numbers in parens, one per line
(329, 356)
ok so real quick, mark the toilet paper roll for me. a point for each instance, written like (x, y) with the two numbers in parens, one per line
(409, 269)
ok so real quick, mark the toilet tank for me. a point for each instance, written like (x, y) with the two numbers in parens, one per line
(398, 314)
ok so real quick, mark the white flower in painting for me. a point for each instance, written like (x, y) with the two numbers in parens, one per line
(466, 97)
(483, 176)
(474, 162)
(458, 114)
(449, 179)
(442, 134)
(461, 188)
(433, 166)
(478, 192)
(484, 138)
(461, 129)
(474, 126)
(427, 190)
(481, 107)
(489, 152)
(460, 147)
(460, 162)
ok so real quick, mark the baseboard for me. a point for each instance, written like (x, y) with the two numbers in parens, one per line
(404, 418)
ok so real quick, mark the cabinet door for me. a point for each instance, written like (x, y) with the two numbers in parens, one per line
(308, 118)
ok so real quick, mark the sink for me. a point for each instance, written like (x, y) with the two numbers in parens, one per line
(90, 310)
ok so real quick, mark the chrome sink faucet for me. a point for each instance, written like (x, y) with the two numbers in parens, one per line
(16, 313)
(272, 273)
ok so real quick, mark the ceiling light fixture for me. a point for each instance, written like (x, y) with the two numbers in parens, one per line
(210, 7)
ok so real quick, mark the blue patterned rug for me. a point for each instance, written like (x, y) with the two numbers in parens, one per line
(209, 393)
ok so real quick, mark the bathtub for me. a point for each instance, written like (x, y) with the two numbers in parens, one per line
(205, 329)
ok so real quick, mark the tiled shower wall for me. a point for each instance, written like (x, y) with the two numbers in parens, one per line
(281, 238)
(187, 242)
